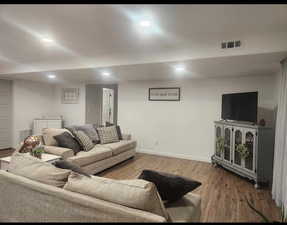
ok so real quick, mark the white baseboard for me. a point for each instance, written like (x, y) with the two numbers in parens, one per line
(180, 156)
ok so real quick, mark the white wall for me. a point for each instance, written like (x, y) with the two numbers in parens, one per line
(5, 114)
(30, 100)
(73, 114)
(185, 129)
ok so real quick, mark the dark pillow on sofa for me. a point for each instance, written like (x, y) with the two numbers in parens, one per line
(170, 187)
(119, 132)
(66, 140)
(63, 164)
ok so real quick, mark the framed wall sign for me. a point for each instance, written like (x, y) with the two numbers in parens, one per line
(70, 95)
(164, 94)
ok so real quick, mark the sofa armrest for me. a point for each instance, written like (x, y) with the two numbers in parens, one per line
(127, 136)
(59, 151)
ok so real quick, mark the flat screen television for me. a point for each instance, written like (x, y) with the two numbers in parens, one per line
(240, 106)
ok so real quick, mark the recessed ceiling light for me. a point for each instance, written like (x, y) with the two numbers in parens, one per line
(145, 23)
(106, 73)
(179, 68)
(47, 40)
(52, 76)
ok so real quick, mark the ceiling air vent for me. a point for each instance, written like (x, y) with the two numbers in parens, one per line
(230, 44)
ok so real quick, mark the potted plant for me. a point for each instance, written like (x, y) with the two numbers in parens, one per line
(37, 152)
(219, 145)
(243, 151)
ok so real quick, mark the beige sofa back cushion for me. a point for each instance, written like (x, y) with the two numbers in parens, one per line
(138, 194)
(28, 166)
(49, 133)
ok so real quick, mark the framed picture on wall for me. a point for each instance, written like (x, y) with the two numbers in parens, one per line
(70, 95)
(164, 94)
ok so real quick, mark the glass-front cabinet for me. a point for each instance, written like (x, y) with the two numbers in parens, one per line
(219, 141)
(244, 148)
(249, 142)
(238, 141)
(227, 153)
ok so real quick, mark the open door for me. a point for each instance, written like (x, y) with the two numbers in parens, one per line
(108, 106)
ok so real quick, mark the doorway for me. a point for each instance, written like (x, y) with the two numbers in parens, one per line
(108, 106)
(101, 104)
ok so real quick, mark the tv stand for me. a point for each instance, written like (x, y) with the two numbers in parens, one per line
(240, 122)
(245, 149)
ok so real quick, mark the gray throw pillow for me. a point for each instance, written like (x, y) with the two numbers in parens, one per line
(85, 142)
(88, 129)
(66, 140)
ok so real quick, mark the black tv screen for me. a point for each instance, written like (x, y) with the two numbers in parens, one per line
(240, 106)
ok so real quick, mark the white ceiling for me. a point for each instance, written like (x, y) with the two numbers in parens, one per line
(94, 37)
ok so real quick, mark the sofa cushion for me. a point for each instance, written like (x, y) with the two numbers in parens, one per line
(63, 164)
(66, 140)
(121, 146)
(33, 168)
(49, 133)
(108, 134)
(96, 154)
(84, 140)
(137, 194)
(88, 129)
(187, 209)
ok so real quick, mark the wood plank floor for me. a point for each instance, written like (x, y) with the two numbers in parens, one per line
(6, 152)
(223, 193)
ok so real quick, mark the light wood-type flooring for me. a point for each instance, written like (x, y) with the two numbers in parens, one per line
(223, 193)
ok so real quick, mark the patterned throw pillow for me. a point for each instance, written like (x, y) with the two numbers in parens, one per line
(108, 134)
(88, 129)
(84, 140)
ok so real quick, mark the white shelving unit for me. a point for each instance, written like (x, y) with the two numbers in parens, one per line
(40, 124)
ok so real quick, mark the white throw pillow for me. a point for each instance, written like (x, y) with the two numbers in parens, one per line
(30, 167)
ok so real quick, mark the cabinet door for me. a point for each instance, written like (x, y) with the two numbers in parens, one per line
(250, 144)
(218, 139)
(237, 141)
(227, 154)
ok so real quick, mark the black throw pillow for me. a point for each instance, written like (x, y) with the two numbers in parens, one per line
(63, 164)
(66, 140)
(170, 187)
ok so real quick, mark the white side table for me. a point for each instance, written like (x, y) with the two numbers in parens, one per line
(4, 162)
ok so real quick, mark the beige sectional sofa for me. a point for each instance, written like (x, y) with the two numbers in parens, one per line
(39, 202)
(101, 157)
